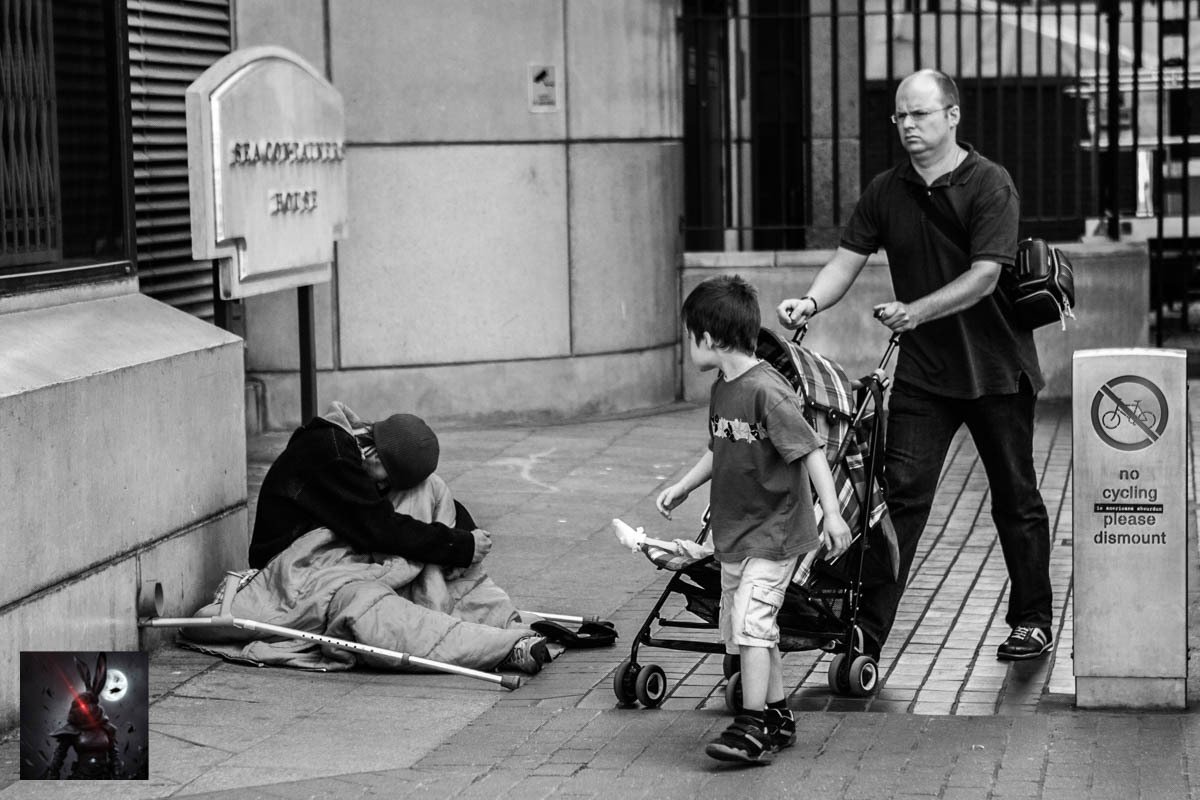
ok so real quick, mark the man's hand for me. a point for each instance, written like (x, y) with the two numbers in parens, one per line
(671, 497)
(836, 535)
(898, 316)
(483, 544)
(795, 311)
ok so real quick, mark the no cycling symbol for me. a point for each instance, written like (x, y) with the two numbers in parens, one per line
(1129, 413)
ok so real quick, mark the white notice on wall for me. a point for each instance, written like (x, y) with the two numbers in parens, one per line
(543, 88)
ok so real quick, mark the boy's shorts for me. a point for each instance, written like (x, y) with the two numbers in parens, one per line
(751, 595)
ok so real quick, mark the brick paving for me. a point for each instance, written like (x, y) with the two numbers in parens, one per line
(949, 721)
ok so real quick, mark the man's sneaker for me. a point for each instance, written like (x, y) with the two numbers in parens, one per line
(1024, 643)
(781, 727)
(528, 655)
(746, 739)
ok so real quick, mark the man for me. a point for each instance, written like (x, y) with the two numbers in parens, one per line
(344, 475)
(961, 360)
(334, 473)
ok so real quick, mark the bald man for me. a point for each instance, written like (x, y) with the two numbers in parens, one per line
(948, 218)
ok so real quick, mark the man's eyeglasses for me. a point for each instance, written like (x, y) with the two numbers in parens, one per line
(917, 116)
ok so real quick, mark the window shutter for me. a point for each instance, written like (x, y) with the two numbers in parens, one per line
(170, 43)
(30, 230)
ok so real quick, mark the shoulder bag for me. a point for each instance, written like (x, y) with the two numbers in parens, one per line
(1038, 289)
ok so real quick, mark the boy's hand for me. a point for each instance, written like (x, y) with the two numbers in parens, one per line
(669, 498)
(836, 536)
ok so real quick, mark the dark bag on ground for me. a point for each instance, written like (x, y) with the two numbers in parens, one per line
(1040, 287)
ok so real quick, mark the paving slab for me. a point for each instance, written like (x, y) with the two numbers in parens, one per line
(948, 720)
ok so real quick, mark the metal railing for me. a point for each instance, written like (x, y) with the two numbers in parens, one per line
(1088, 105)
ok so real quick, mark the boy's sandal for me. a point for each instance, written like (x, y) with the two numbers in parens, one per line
(590, 634)
(746, 739)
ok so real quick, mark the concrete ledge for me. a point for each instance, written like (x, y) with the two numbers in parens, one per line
(525, 390)
(1112, 281)
(98, 609)
(124, 421)
(124, 455)
(1145, 693)
(64, 295)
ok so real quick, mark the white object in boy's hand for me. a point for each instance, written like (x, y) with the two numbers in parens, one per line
(627, 536)
(634, 538)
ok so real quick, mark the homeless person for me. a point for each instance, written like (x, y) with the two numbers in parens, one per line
(332, 554)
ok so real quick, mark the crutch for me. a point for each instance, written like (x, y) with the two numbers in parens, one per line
(593, 619)
(150, 605)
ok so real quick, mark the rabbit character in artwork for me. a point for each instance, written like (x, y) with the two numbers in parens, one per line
(88, 731)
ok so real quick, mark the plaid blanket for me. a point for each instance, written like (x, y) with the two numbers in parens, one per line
(822, 384)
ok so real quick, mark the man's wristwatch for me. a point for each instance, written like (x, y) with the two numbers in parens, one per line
(816, 307)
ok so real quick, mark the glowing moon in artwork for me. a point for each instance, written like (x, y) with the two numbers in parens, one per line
(116, 686)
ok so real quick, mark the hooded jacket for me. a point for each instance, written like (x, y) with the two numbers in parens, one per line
(319, 480)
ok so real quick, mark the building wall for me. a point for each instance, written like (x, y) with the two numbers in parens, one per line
(124, 459)
(1111, 291)
(500, 262)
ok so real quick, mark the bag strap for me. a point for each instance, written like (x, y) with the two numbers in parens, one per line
(951, 229)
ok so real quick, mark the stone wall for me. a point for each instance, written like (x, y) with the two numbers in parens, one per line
(500, 262)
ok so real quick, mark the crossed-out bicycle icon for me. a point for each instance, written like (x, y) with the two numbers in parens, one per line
(1133, 414)
(1119, 418)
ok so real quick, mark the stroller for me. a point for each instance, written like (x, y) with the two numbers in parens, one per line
(820, 608)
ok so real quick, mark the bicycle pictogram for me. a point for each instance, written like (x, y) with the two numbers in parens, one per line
(1132, 415)
(1129, 413)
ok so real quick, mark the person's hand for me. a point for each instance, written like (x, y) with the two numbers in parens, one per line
(671, 497)
(896, 316)
(835, 536)
(795, 311)
(483, 544)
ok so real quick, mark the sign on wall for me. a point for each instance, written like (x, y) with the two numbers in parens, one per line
(267, 171)
(543, 88)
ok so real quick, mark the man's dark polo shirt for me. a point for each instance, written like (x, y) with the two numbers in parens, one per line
(976, 351)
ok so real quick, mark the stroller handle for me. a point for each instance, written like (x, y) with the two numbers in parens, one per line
(893, 343)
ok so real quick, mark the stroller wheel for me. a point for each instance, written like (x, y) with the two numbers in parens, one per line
(733, 693)
(651, 686)
(839, 681)
(625, 683)
(864, 675)
(731, 664)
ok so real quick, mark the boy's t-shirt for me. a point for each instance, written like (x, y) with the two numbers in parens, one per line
(760, 498)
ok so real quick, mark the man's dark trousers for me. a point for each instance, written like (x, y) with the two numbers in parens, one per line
(920, 427)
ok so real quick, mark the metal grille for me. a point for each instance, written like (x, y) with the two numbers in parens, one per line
(1086, 104)
(30, 220)
(170, 44)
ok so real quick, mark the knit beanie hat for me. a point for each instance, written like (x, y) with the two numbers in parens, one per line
(408, 449)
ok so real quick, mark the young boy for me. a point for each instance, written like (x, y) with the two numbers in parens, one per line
(762, 455)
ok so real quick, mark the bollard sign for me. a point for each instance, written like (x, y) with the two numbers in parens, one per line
(1130, 528)
(267, 171)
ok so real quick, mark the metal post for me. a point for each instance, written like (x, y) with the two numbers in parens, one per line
(306, 308)
(1114, 118)
(220, 305)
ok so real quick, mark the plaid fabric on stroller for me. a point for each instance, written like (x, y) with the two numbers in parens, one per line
(821, 605)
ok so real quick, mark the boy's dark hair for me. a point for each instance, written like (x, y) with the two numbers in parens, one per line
(726, 308)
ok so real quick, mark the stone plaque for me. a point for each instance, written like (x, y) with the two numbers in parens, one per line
(267, 170)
